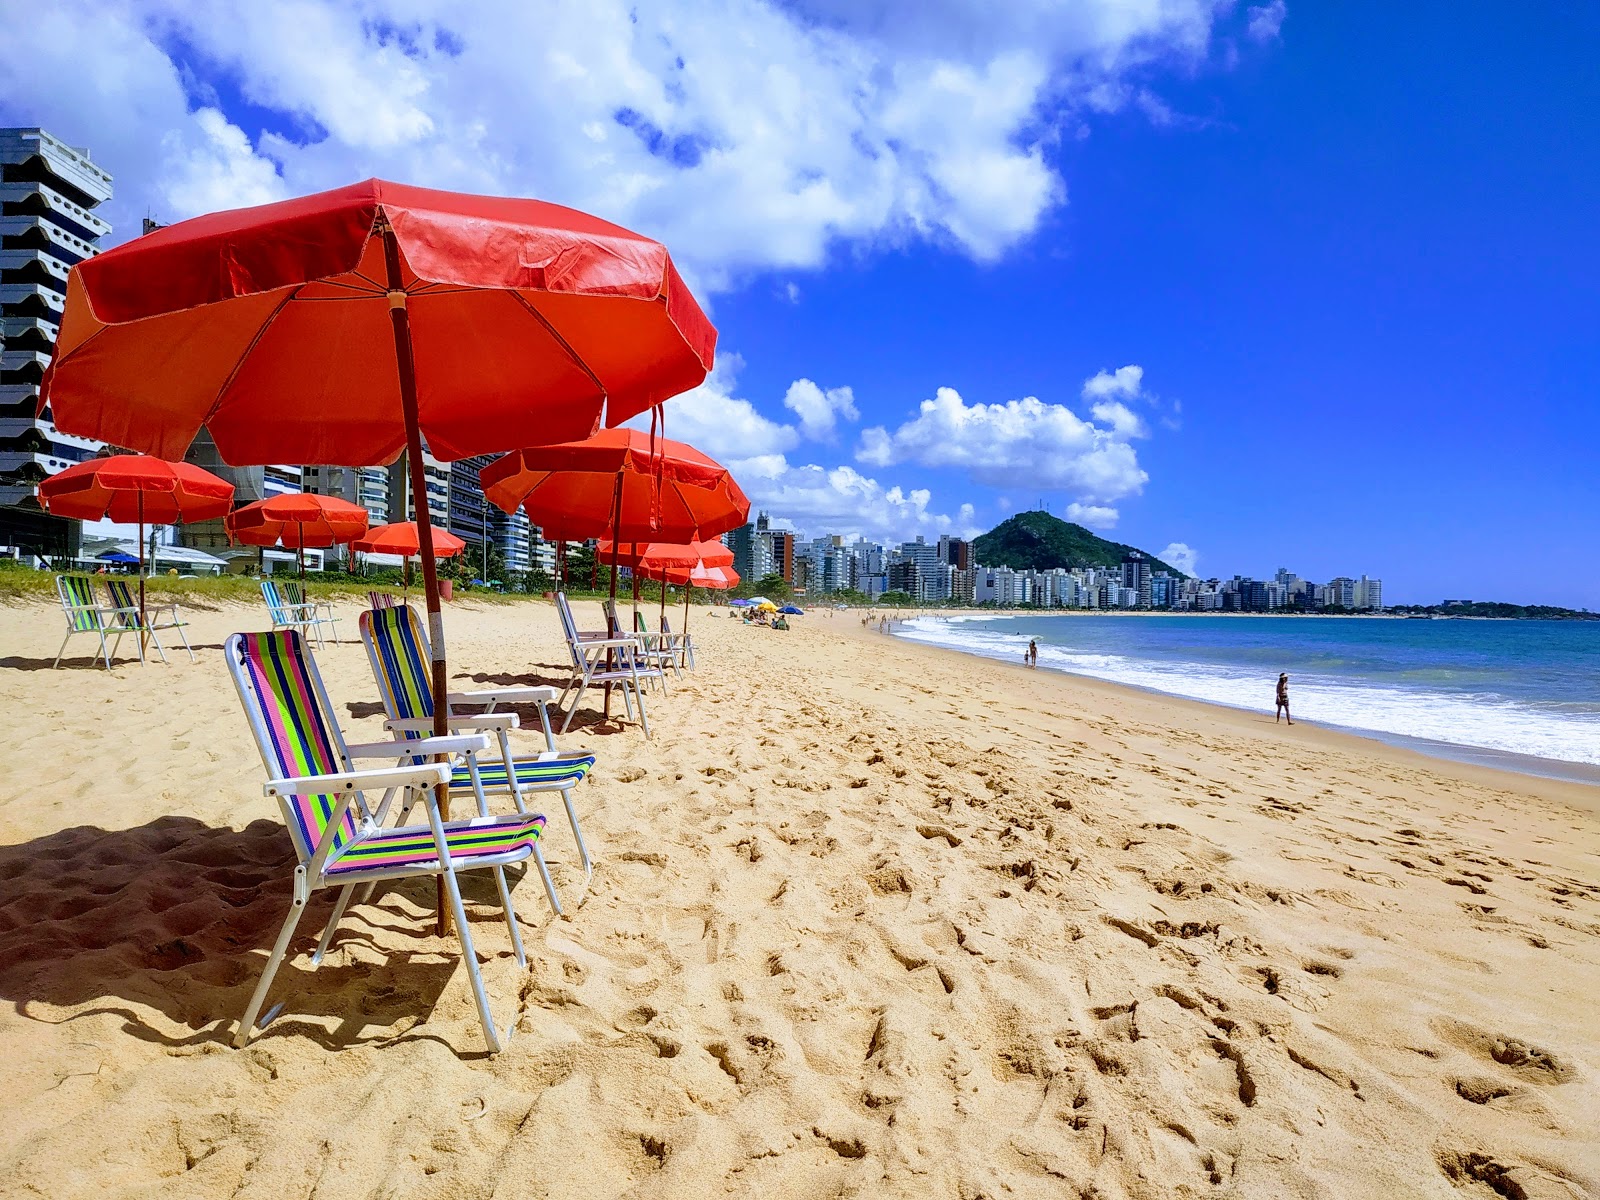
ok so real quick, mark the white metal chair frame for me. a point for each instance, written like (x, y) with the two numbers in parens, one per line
(682, 642)
(302, 618)
(487, 722)
(646, 650)
(349, 786)
(321, 612)
(589, 666)
(152, 622)
(102, 620)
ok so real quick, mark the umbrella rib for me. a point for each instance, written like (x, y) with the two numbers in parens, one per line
(560, 341)
(245, 353)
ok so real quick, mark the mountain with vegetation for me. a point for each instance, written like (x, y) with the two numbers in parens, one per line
(1037, 541)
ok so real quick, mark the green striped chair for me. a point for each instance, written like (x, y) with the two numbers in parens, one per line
(285, 615)
(319, 612)
(154, 617)
(85, 614)
(397, 649)
(339, 840)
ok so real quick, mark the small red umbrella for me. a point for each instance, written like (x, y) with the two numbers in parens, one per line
(401, 538)
(131, 488)
(297, 520)
(668, 562)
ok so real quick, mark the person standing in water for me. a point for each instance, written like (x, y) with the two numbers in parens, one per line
(1283, 700)
(1033, 652)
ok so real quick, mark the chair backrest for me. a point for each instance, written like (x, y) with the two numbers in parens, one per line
(122, 597)
(613, 625)
(381, 599)
(397, 648)
(78, 601)
(290, 715)
(570, 628)
(293, 592)
(269, 593)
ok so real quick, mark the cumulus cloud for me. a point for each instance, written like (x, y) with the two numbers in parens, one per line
(1124, 383)
(1095, 516)
(727, 427)
(1027, 440)
(1265, 20)
(820, 499)
(818, 409)
(1182, 556)
(750, 135)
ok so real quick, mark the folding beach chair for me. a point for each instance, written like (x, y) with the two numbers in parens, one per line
(397, 648)
(590, 666)
(285, 615)
(319, 611)
(683, 641)
(658, 647)
(382, 599)
(643, 652)
(339, 840)
(155, 616)
(85, 614)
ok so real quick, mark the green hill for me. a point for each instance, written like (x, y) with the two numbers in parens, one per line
(1037, 541)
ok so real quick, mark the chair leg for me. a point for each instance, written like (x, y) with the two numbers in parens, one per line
(185, 639)
(577, 835)
(157, 642)
(470, 956)
(644, 721)
(544, 874)
(511, 915)
(63, 649)
(297, 907)
(333, 923)
(576, 700)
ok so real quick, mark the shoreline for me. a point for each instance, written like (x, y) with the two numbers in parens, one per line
(1554, 770)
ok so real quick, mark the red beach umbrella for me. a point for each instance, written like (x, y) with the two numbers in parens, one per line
(620, 483)
(297, 520)
(131, 488)
(403, 538)
(668, 562)
(346, 326)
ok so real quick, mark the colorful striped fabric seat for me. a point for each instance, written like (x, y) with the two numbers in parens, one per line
(397, 649)
(339, 840)
(154, 618)
(85, 614)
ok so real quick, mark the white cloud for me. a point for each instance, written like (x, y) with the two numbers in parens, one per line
(1124, 383)
(819, 499)
(712, 419)
(818, 409)
(1180, 555)
(1123, 420)
(750, 135)
(1266, 20)
(1043, 445)
(1096, 516)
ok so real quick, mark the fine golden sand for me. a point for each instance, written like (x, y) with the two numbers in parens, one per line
(869, 919)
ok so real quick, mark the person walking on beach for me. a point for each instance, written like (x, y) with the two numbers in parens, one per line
(1033, 652)
(1283, 700)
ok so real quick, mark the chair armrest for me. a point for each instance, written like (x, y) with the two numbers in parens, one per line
(464, 743)
(603, 643)
(492, 722)
(418, 775)
(505, 695)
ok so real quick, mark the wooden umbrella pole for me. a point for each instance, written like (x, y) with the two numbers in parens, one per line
(400, 321)
(616, 523)
(143, 624)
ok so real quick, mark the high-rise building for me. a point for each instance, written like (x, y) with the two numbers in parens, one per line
(436, 476)
(752, 549)
(956, 552)
(783, 554)
(48, 194)
(1136, 576)
(1367, 593)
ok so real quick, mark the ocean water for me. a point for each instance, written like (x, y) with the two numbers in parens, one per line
(1479, 690)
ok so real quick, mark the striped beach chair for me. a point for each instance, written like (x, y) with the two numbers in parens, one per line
(285, 615)
(155, 616)
(683, 641)
(339, 840)
(85, 614)
(602, 660)
(382, 599)
(320, 611)
(658, 647)
(397, 649)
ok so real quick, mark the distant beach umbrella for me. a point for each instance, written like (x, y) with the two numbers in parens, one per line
(297, 520)
(136, 489)
(403, 538)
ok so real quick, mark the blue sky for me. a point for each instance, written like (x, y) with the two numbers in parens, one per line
(1281, 283)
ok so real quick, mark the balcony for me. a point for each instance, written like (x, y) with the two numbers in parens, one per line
(40, 200)
(34, 156)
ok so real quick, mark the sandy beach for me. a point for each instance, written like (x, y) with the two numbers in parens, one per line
(869, 919)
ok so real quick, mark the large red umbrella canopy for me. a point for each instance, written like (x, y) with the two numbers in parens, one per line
(130, 488)
(271, 326)
(621, 483)
(401, 538)
(135, 489)
(299, 521)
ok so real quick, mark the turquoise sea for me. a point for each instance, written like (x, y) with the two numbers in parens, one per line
(1518, 694)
